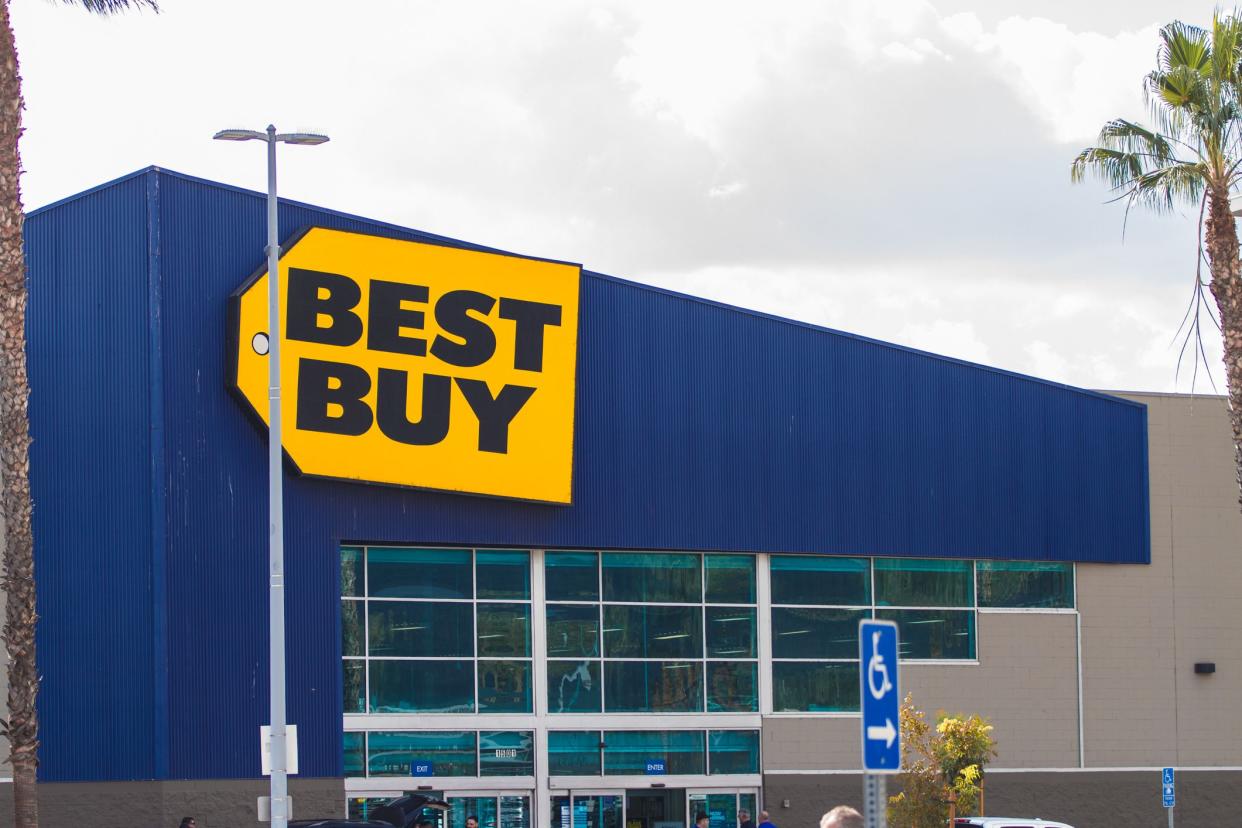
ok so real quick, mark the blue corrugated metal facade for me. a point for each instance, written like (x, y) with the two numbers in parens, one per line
(698, 427)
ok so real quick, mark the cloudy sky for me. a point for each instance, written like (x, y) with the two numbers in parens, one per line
(896, 169)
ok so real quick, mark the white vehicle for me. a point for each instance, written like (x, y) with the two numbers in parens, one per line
(1007, 822)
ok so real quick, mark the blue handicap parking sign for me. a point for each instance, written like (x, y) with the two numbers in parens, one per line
(1168, 791)
(881, 698)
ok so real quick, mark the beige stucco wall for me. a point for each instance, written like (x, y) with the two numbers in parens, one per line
(1143, 628)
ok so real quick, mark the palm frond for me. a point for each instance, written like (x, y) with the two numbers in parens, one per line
(113, 6)
(1184, 45)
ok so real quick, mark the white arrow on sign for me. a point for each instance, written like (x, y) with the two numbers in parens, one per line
(887, 733)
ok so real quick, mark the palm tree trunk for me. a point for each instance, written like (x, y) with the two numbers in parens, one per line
(1222, 249)
(18, 572)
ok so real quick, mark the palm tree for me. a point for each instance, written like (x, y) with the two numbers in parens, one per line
(22, 726)
(1191, 157)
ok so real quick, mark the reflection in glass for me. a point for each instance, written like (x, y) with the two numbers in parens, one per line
(653, 686)
(573, 753)
(352, 638)
(421, 629)
(351, 571)
(652, 632)
(504, 686)
(355, 686)
(355, 746)
(815, 633)
(482, 808)
(573, 630)
(504, 629)
(391, 753)
(574, 687)
(655, 577)
(733, 751)
(422, 686)
(507, 753)
(1025, 584)
(571, 576)
(730, 579)
(820, 580)
(514, 812)
(419, 573)
(918, 582)
(503, 574)
(730, 632)
(940, 634)
(628, 751)
(814, 687)
(732, 687)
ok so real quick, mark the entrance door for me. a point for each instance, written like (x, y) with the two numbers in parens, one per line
(493, 809)
(721, 805)
(655, 808)
(588, 809)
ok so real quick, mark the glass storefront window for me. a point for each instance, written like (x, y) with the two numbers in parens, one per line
(627, 752)
(571, 576)
(799, 632)
(730, 632)
(421, 629)
(821, 581)
(507, 753)
(482, 808)
(573, 630)
(653, 632)
(652, 577)
(733, 751)
(353, 635)
(504, 686)
(732, 687)
(354, 686)
(351, 572)
(449, 753)
(574, 752)
(355, 748)
(1025, 584)
(574, 687)
(901, 582)
(504, 630)
(934, 634)
(814, 686)
(729, 579)
(422, 686)
(653, 686)
(394, 572)
(502, 574)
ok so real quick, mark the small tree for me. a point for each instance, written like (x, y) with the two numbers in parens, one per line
(939, 764)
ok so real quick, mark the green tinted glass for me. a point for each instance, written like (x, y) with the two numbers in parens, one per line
(730, 579)
(1025, 584)
(655, 577)
(571, 576)
(574, 687)
(732, 687)
(819, 580)
(422, 686)
(733, 751)
(502, 574)
(573, 630)
(939, 634)
(354, 687)
(351, 571)
(353, 638)
(807, 686)
(653, 632)
(421, 629)
(506, 753)
(653, 686)
(815, 633)
(482, 808)
(730, 632)
(391, 753)
(504, 630)
(627, 752)
(912, 582)
(355, 745)
(574, 752)
(504, 686)
(419, 573)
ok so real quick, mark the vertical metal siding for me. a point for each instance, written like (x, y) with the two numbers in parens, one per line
(698, 426)
(89, 410)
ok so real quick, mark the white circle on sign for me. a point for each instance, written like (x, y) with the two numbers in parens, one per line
(259, 343)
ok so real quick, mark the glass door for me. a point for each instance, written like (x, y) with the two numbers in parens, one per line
(588, 809)
(721, 806)
(502, 809)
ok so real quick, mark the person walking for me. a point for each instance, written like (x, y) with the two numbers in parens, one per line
(701, 820)
(744, 820)
(842, 816)
(188, 822)
(765, 820)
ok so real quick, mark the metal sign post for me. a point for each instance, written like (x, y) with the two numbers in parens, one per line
(1168, 792)
(881, 717)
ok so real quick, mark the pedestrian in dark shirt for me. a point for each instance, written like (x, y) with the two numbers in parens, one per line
(701, 820)
(744, 820)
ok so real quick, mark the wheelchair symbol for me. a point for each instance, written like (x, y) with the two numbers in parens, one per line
(877, 670)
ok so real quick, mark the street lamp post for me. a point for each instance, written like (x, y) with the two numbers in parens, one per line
(275, 493)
